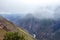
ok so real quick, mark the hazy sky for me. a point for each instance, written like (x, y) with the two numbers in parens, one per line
(24, 6)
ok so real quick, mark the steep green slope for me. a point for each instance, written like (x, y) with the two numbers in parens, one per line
(7, 26)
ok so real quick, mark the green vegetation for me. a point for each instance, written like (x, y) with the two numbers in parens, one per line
(13, 36)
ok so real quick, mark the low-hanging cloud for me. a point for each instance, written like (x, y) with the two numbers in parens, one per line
(24, 6)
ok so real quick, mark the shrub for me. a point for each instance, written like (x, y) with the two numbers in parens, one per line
(13, 36)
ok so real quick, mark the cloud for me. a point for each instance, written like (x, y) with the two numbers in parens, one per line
(24, 6)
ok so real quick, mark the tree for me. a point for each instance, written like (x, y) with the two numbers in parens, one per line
(13, 36)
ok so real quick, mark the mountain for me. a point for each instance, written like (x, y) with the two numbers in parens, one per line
(7, 26)
(43, 29)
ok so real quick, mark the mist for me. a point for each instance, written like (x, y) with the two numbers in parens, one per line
(39, 8)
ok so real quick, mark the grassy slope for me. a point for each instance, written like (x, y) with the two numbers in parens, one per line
(2, 33)
(25, 34)
(13, 27)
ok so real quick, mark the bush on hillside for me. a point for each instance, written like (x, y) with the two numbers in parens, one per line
(13, 36)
